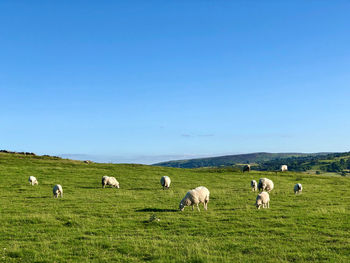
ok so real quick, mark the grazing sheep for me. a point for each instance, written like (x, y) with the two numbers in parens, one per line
(265, 184)
(195, 197)
(165, 182)
(254, 185)
(246, 168)
(298, 188)
(106, 180)
(57, 191)
(284, 168)
(32, 180)
(263, 199)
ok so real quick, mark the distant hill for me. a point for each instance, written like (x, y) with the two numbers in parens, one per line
(230, 160)
(322, 163)
(319, 163)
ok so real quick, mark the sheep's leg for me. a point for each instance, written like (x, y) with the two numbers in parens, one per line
(192, 207)
(268, 204)
(206, 205)
(198, 208)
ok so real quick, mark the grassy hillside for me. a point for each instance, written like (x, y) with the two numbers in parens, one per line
(91, 224)
(227, 160)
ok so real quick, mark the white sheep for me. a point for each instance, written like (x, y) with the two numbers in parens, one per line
(284, 168)
(265, 184)
(106, 180)
(57, 191)
(246, 168)
(254, 185)
(32, 180)
(298, 188)
(263, 199)
(165, 182)
(195, 197)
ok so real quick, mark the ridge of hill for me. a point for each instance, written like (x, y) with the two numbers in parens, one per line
(230, 160)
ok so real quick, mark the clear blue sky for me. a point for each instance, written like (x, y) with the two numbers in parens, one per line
(145, 81)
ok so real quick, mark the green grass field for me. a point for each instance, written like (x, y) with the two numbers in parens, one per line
(91, 224)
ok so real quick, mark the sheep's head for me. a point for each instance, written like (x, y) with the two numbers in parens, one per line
(258, 203)
(117, 186)
(182, 206)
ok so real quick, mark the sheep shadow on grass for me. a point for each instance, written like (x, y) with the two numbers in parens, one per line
(156, 210)
(140, 189)
(36, 197)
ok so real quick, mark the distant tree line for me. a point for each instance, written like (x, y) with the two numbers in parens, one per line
(334, 162)
(338, 166)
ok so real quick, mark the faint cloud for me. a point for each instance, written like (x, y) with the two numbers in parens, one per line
(274, 135)
(264, 135)
(205, 135)
(186, 135)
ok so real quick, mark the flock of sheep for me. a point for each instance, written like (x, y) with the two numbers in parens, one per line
(199, 195)
(57, 189)
(266, 185)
